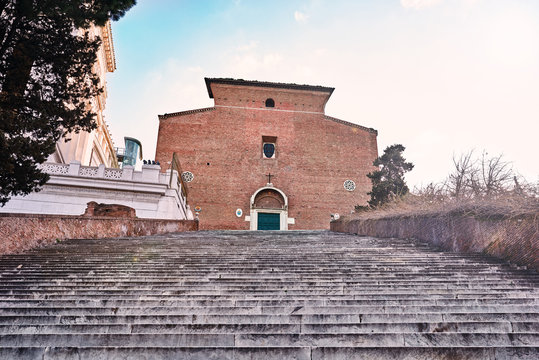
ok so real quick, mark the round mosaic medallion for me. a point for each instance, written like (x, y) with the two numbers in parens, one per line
(187, 176)
(349, 185)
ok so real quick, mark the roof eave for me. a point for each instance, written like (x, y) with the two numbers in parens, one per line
(240, 82)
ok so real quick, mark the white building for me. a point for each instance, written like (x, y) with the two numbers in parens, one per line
(96, 147)
(71, 187)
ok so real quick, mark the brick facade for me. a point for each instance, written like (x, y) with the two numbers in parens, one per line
(314, 153)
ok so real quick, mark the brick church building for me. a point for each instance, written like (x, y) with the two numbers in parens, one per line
(266, 156)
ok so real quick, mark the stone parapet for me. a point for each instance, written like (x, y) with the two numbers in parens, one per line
(511, 239)
(26, 231)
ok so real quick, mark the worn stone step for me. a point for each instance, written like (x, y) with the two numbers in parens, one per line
(269, 319)
(245, 310)
(182, 280)
(168, 328)
(275, 278)
(137, 302)
(421, 353)
(395, 296)
(298, 353)
(460, 293)
(208, 328)
(83, 340)
(155, 353)
(299, 285)
(273, 340)
(390, 339)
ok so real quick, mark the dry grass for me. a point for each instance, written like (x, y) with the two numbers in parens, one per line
(501, 206)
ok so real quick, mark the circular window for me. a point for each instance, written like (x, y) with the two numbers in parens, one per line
(269, 150)
(187, 176)
(270, 103)
(349, 185)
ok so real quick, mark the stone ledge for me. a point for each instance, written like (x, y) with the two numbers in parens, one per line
(21, 232)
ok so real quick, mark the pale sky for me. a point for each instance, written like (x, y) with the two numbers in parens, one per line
(441, 77)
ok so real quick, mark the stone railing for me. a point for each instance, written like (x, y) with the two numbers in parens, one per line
(149, 173)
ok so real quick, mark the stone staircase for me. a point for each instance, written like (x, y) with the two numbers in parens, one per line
(263, 295)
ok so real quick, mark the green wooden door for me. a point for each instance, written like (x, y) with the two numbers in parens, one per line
(269, 221)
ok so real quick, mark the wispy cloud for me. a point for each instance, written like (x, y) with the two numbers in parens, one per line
(251, 63)
(419, 4)
(300, 17)
(247, 47)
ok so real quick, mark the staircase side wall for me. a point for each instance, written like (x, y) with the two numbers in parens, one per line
(26, 231)
(512, 239)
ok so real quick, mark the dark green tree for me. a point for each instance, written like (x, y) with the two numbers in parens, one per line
(46, 81)
(388, 181)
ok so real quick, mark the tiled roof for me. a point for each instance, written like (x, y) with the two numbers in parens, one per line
(166, 116)
(242, 82)
(371, 130)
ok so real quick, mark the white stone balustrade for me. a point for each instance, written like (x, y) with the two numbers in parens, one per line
(71, 186)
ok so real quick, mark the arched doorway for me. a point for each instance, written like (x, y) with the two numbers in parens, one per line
(269, 209)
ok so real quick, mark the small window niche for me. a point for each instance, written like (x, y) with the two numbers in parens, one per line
(270, 102)
(268, 147)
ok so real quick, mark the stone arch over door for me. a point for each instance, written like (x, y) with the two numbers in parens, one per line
(269, 201)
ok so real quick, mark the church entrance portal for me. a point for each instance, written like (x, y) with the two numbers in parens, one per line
(269, 221)
(269, 209)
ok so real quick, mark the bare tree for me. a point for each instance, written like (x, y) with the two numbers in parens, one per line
(483, 177)
(459, 181)
(496, 175)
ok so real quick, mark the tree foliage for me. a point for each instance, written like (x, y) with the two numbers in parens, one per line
(388, 181)
(46, 81)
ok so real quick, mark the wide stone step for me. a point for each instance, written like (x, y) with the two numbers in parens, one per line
(389, 339)
(155, 353)
(397, 296)
(137, 302)
(265, 292)
(278, 310)
(268, 319)
(249, 353)
(208, 328)
(418, 353)
(274, 340)
(268, 287)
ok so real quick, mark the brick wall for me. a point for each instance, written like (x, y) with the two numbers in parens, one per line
(222, 147)
(511, 239)
(25, 231)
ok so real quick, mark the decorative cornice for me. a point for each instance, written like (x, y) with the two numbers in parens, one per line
(275, 85)
(108, 46)
(166, 116)
(371, 130)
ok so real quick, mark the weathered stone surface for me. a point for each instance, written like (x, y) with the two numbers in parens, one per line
(354, 353)
(109, 210)
(157, 353)
(26, 231)
(510, 239)
(263, 295)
